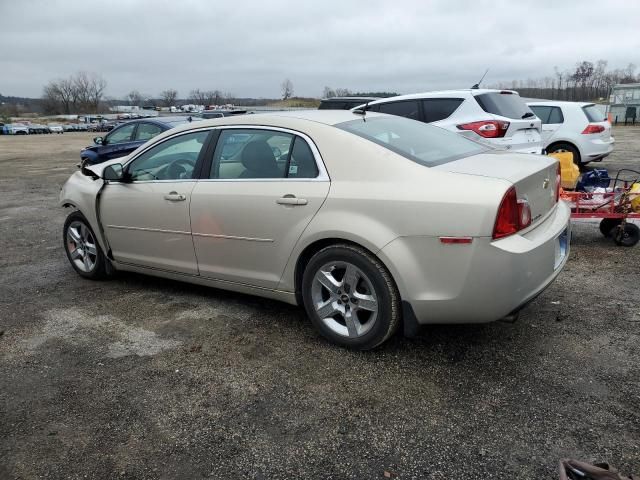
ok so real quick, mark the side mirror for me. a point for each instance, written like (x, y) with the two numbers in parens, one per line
(98, 140)
(113, 172)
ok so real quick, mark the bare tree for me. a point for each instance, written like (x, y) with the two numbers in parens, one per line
(287, 89)
(81, 92)
(328, 92)
(169, 97)
(134, 97)
(343, 92)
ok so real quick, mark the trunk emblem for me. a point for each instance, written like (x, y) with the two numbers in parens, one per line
(545, 184)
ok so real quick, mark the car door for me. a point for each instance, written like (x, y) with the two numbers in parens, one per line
(263, 188)
(552, 119)
(119, 142)
(146, 216)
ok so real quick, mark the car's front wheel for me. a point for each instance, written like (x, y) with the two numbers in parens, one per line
(82, 248)
(350, 297)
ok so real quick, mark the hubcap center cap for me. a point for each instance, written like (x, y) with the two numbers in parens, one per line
(344, 298)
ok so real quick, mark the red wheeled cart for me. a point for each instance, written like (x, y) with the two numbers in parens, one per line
(615, 207)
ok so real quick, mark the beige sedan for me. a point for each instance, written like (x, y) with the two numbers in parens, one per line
(371, 222)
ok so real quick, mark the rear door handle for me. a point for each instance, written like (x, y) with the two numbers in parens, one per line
(291, 200)
(175, 197)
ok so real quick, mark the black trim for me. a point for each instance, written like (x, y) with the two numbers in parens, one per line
(286, 168)
(203, 164)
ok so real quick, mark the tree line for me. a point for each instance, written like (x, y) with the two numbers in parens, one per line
(588, 81)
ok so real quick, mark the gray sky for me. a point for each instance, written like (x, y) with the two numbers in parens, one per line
(249, 47)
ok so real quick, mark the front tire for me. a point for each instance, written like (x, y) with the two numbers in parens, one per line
(350, 297)
(82, 248)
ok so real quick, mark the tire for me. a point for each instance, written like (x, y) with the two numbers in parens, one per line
(360, 312)
(608, 224)
(78, 239)
(626, 235)
(567, 147)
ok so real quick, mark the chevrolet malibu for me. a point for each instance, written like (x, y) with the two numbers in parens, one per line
(371, 222)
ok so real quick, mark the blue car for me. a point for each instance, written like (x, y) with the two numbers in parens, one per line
(125, 138)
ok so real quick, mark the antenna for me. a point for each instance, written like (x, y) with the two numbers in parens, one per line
(362, 111)
(477, 85)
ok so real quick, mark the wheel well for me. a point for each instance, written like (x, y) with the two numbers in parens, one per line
(314, 248)
(563, 142)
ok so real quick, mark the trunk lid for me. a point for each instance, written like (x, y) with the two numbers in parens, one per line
(534, 176)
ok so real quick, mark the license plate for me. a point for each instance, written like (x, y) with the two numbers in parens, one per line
(562, 242)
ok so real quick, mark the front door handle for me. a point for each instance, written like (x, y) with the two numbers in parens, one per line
(291, 200)
(175, 197)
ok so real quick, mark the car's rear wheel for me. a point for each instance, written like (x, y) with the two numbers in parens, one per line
(567, 147)
(350, 297)
(82, 248)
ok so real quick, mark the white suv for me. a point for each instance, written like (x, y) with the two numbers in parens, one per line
(497, 118)
(576, 127)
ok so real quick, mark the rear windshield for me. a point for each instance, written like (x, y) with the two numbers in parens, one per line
(425, 144)
(593, 113)
(507, 105)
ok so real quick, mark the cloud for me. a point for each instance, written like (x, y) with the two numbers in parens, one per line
(249, 47)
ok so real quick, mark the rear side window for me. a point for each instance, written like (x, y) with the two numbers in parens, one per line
(548, 114)
(424, 144)
(593, 113)
(439, 108)
(147, 130)
(508, 105)
(407, 108)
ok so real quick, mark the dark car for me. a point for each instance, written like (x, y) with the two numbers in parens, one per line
(126, 137)
(344, 103)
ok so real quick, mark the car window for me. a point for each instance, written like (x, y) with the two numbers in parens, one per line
(407, 108)
(505, 104)
(423, 143)
(173, 159)
(542, 112)
(251, 153)
(593, 113)
(555, 116)
(302, 163)
(122, 134)
(147, 130)
(439, 108)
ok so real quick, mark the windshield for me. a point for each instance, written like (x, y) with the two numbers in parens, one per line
(505, 104)
(425, 144)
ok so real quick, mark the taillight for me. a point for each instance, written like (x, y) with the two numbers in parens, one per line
(513, 215)
(487, 129)
(507, 219)
(591, 128)
(558, 181)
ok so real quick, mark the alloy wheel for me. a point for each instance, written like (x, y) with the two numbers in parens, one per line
(344, 299)
(81, 246)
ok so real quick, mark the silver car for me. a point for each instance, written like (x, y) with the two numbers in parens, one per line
(371, 222)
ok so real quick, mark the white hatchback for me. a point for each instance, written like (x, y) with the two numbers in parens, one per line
(496, 118)
(576, 127)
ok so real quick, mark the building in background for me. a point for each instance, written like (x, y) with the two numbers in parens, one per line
(624, 103)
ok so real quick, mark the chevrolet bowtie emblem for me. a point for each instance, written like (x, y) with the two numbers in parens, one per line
(545, 184)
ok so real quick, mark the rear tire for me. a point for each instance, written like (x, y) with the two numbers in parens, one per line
(350, 297)
(627, 235)
(567, 147)
(608, 224)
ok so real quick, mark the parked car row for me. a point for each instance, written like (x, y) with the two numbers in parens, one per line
(36, 128)
(501, 119)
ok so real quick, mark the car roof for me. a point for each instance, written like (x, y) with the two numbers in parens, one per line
(340, 99)
(559, 103)
(442, 93)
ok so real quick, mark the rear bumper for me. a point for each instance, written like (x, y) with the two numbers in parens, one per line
(597, 149)
(479, 282)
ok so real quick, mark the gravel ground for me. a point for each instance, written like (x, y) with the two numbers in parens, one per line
(145, 378)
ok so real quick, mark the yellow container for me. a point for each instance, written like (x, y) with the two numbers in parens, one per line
(635, 197)
(569, 171)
